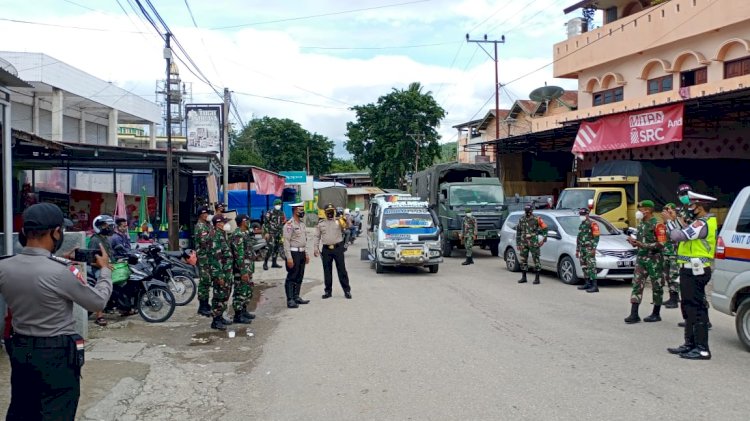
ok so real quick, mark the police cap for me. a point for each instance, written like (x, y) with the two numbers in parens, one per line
(330, 207)
(42, 217)
(583, 211)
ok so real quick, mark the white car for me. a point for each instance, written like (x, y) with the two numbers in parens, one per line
(731, 272)
(615, 257)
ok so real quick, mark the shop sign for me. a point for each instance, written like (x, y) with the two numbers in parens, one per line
(204, 127)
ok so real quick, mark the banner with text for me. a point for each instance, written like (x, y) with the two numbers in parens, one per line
(204, 127)
(636, 129)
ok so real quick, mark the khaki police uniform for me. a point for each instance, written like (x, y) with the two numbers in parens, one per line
(330, 232)
(295, 247)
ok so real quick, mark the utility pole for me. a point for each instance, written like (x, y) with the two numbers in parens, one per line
(225, 158)
(172, 219)
(308, 159)
(497, 83)
(417, 138)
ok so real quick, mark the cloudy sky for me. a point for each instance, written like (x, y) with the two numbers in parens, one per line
(306, 60)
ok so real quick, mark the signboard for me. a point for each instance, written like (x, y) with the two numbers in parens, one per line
(636, 129)
(294, 177)
(204, 127)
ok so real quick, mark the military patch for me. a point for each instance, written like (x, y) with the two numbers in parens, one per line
(595, 229)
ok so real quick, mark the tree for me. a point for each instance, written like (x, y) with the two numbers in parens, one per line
(243, 151)
(283, 145)
(343, 165)
(448, 152)
(380, 138)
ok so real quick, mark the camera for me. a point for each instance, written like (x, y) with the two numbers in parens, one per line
(87, 255)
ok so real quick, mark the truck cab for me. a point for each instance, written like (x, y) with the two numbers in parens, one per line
(610, 195)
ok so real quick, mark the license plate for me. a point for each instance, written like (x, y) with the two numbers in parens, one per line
(625, 263)
(414, 252)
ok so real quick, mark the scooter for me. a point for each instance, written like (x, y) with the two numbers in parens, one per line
(180, 276)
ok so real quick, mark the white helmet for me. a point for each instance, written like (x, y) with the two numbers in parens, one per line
(356, 209)
(346, 211)
(102, 220)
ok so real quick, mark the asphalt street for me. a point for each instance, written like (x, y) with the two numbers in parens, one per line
(465, 343)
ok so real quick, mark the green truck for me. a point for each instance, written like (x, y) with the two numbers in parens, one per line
(451, 188)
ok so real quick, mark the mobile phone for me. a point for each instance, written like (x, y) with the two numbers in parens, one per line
(87, 255)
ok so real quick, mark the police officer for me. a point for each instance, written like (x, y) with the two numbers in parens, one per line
(468, 235)
(46, 354)
(330, 232)
(695, 254)
(530, 227)
(295, 243)
(272, 226)
(243, 240)
(671, 268)
(220, 261)
(586, 242)
(649, 242)
(202, 242)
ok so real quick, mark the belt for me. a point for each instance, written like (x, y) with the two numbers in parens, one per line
(333, 246)
(689, 266)
(297, 248)
(62, 341)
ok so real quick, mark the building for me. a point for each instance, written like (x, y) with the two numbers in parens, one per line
(350, 179)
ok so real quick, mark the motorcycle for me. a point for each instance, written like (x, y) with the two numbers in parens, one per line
(180, 276)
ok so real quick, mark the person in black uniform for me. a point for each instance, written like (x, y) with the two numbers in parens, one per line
(46, 354)
(330, 232)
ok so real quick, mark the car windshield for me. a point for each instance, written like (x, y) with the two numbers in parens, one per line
(575, 199)
(401, 218)
(476, 195)
(571, 223)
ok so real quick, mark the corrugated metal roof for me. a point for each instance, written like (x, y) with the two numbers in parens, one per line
(360, 191)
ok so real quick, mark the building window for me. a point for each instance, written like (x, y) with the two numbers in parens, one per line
(736, 68)
(610, 14)
(693, 77)
(660, 84)
(608, 96)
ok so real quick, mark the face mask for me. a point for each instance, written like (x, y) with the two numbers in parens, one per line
(582, 218)
(685, 199)
(277, 207)
(59, 241)
(227, 228)
(105, 231)
(301, 214)
(468, 213)
(691, 212)
(329, 215)
(638, 215)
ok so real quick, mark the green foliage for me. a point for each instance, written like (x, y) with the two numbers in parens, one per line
(343, 165)
(379, 138)
(282, 145)
(448, 152)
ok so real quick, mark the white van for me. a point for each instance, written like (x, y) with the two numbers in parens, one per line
(731, 276)
(402, 231)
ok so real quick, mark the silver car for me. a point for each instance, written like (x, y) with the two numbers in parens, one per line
(615, 258)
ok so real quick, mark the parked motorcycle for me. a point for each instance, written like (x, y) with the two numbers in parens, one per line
(180, 276)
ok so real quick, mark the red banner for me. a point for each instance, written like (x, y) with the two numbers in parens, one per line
(635, 129)
(267, 183)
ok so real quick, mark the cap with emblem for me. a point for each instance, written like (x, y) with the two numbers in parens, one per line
(527, 207)
(277, 202)
(242, 218)
(583, 211)
(42, 216)
(700, 198)
(219, 218)
(297, 205)
(330, 207)
(683, 189)
(202, 210)
(670, 205)
(221, 205)
(646, 204)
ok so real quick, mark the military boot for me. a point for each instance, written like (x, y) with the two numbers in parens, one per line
(594, 286)
(274, 264)
(654, 317)
(297, 298)
(247, 314)
(239, 317)
(633, 318)
(468, 261)
(523, 278)
(586, 285)
(685, 347)
(265, 262)
(673, 301)
(701, 351)
(218, 323)
(204, 309)
(290, 303)
(536, 278)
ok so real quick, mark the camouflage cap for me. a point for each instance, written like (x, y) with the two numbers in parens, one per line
(646, 204)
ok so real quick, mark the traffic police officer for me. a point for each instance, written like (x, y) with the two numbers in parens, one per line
(468, 235)
(46, 354)
(586, 242)
(295, 243)
(272, 225)
(330, 232)
(220, 261)
(202, 242)
(243, 240)
(695, 254)
(528, 231)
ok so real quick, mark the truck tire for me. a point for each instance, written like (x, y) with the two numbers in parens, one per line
(447, 248)
(494, 246)
(742, 322)
(433, 268)
(378, 267)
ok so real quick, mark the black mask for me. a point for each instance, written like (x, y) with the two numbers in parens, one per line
(330, 215)
(300, 213)
(58, 241)
(105, 231)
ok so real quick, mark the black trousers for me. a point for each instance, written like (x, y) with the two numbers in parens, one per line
(693, 288)
(328, 256)
(297, 272)
(45, 380)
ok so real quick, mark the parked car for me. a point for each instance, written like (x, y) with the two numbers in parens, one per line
(731, 273)
(615, 258)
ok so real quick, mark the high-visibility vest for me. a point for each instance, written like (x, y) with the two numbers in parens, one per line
(702, 248)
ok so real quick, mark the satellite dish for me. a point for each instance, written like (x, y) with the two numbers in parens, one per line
(546, 93)
(5, 65)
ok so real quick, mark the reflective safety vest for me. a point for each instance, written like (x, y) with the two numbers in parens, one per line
(701, 248)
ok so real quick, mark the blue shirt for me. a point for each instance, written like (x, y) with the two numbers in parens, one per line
(122, 239)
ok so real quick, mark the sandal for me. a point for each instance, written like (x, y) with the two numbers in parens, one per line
(127, 313)
(101, 321)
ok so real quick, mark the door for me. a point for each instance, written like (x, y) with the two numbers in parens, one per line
(612, 206)
(372, 231)
(548, 253)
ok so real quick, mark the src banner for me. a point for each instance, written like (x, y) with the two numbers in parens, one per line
(636, 129)
(204, 127)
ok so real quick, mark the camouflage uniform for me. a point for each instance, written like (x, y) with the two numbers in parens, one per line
(671, 269)
(202, 241)
(586, 242)
(649, 261)
(272, 225)
(469, 231)
(220, 261)
(244, 264)
(528, 230)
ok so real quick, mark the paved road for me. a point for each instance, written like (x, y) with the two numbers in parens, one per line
(466, 343)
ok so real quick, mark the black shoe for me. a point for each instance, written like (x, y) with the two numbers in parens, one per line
(218, 323)
(265, 265)
(248, 315)
(674, 299)
(536, 279)
(654, 317)
(348, 295)
(697, 353)
(292, 304)
(594, 286)
(523, 278)
(633, 318)
(297, 298)
(274, 264)
(226, 321)
(204, 309)
(585, 286)
(239, 317)
(326, 295)
(686, 347)
(466, 262)
(681, 324)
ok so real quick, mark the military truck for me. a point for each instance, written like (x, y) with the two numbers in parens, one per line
(452, 188)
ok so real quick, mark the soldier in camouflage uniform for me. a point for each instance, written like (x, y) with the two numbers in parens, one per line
(272, 226)
(220, 260)
(243, 240)
(202, 242)
(586, 242)
(649, 242)
(468, 235)
(671, 268)
(528, 231)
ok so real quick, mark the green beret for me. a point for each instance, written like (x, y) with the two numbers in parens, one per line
(670, 205)
(277, 202)
(467, 210)
(646, 204)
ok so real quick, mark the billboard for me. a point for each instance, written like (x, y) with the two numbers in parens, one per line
(204, 127)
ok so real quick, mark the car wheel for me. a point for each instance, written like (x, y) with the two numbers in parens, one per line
(742, 322)
(378, 267)
(494, 246)
(566, 271)
(511, 260)
(433, 268)
(447, 248)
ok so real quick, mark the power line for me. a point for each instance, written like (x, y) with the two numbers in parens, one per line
(200, 33)
(382, 48)
(81, 28)
(290, 101)
(319, 15)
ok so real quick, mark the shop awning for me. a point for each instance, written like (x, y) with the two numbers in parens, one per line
(266, 182)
